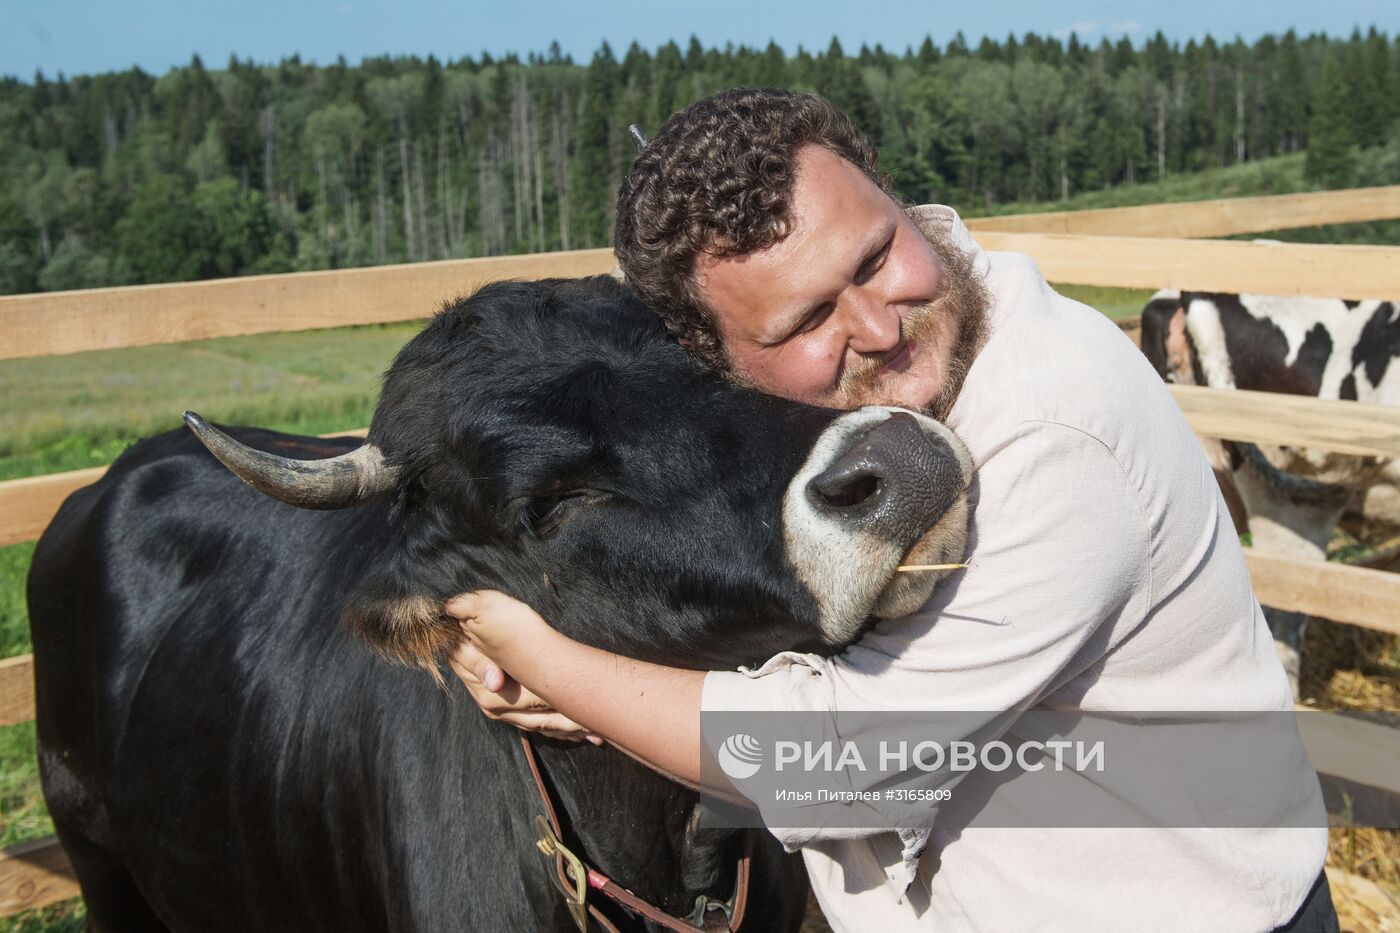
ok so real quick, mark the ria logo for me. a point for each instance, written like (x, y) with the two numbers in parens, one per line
(740, 756)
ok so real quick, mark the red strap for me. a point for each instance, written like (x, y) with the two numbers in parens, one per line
(605, 885)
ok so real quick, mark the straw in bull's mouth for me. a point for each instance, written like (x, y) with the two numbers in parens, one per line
(922, 568)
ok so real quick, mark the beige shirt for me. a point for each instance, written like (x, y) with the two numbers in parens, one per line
(1106, 575)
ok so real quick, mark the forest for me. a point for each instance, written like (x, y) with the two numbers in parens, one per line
(202, 172)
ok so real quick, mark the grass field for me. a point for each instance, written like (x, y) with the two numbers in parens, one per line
(1376, 165)
(1281, 175)
(70, 412)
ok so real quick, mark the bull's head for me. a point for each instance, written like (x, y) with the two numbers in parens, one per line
(1166, 342)
(548, 439)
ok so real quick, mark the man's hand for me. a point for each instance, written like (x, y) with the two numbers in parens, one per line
(646, 710)
(499, 696)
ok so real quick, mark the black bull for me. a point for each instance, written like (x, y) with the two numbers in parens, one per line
(220, 753)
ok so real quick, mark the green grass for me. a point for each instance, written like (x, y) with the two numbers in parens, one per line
(1374, 233)
(1279, 175)
(70, 412)
(1116, 303)
(63, 917)
(23, 816)
(1379, 165)
(14, 616)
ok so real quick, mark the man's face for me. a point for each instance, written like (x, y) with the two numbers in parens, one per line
(840, 312)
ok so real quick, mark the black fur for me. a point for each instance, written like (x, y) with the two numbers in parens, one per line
(1379, 343)
(1156, 321)
(1257, 349)
(219, 753)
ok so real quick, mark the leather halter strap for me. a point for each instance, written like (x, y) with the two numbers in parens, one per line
(573, 877)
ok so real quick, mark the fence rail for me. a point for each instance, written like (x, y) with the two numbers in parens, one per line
(54, 323)
(1222, 217)
(51, 323)
(34, 874)
(1293, 420)
(1356, 272)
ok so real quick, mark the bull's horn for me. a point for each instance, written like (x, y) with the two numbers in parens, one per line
(333, 483)
(638, 137)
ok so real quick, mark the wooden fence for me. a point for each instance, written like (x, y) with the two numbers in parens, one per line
(53, 323)
(1226, 217)
(1073, 251)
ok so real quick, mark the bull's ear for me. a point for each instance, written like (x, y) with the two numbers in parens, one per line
(399, 608)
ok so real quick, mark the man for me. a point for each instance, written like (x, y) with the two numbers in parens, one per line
(1106, 575)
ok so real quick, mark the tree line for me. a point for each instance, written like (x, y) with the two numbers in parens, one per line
(129, 177)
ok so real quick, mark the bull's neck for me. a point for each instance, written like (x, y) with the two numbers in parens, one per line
(633, 825)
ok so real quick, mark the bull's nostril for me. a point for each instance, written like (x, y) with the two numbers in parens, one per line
(842, 492)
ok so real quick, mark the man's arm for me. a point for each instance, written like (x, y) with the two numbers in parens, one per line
(650, 711)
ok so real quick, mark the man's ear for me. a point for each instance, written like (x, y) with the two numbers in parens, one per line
(398, 608)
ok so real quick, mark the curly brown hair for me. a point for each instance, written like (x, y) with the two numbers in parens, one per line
(717, 179)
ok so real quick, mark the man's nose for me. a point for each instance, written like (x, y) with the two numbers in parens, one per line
(873, 323)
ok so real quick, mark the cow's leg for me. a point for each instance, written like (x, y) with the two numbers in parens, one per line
(113, 901)
(1293, 517)
(1219, 458)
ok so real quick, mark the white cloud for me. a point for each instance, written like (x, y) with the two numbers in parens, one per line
(1127, 26)
(1082, 28)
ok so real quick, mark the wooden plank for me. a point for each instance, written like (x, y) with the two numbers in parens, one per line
(1340, 592)
(16, 690)
(28, 505)
(1215, 218)
(104, 318)
(1356, 272)
(1295, 420)
(69, 322)
(1351, 748)
(34, 874)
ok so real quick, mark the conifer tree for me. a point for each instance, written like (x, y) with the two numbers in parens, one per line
(1331, 162)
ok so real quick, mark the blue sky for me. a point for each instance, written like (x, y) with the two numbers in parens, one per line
(85, 36)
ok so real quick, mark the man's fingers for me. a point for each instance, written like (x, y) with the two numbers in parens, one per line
(467, 657)
(467, 606)
(462, 606)
(500, 697)
(551, 723)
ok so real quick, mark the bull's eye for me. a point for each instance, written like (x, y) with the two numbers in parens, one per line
(541, 515)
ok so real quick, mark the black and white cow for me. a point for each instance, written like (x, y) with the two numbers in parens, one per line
(220, 748)
(1290, 498)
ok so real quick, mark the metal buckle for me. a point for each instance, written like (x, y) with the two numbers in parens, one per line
(703, 907)
(549, 844)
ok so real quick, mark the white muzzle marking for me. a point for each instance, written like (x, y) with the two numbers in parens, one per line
(851, 572)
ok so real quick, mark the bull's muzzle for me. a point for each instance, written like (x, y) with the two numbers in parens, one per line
(895, 482)
(881, 487)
